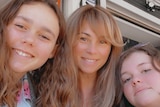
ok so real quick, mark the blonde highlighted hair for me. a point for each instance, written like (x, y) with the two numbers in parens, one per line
(98, 18)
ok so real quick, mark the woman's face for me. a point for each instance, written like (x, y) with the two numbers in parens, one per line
(141, 81)
(91, 51)
(32, 37)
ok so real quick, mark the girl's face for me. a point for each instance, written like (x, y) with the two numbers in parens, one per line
(141, 81)
(32, 37)
(91, 51)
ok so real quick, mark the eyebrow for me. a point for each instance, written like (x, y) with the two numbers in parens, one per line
(143, 63)
(138, 66)
(85, 33)
(24, 18)
(30, 21)
(48, 30)
(123, 73)
(102, 36)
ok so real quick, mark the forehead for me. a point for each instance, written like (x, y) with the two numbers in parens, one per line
(138, 54)
(37, 9)
(98, 29)
(40, 15)
(134, 60)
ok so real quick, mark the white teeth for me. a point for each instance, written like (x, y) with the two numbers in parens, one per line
(22, 53)
(90, 60)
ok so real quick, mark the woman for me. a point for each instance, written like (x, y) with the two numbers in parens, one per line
(31, 33)
(94, 42)
(138, 77)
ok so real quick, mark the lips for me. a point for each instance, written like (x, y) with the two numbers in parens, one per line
(23, 53)
(140, 90)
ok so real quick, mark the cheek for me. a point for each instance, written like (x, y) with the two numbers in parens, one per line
(45, 51)
(13, 36)
(129, 94)
(154, 82)
(78, 50)
(127, 91)
(10, 35)
(105, 52)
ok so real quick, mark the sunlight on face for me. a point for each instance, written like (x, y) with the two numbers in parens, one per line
(32, 37)
(91, 51)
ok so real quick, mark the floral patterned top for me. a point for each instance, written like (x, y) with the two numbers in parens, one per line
(24, 95)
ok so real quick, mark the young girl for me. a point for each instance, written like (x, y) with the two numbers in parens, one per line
(30, 33)
(94, 42)
(138, 77)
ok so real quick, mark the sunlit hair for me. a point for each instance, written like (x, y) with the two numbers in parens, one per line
(100, 20)
(147, 48)
(9, 87)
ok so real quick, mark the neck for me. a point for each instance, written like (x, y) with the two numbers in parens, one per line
(17, 75)
(87, 84)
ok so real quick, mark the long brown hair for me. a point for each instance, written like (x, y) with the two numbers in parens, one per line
(97, 18)
(9, 87)
(147, 48)
(56, 86)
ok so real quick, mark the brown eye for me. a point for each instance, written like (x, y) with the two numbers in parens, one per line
(44, 36)
(146, 70)
(126, 80)
(19, 26)
(103, 42)
(83, 39)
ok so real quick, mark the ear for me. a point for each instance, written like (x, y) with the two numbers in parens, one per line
(54, 51)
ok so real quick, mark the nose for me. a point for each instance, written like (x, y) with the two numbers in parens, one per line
(136, 81)
(92, 48)
(28, 38)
